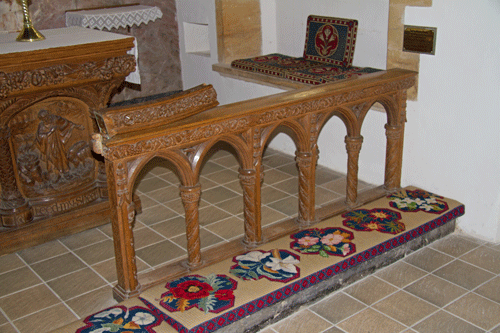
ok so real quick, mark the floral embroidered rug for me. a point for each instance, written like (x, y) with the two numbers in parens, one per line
(223, 293)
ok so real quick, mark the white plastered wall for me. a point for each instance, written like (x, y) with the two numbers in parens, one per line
(452, 139)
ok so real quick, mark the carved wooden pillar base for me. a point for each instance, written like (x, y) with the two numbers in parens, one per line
(250, 182)
(353, 146)
(393, 157)
(190, 196)
(119, 294)
(14, 208)
(306, 163)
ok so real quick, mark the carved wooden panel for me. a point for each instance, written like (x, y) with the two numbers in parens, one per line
(50, 144)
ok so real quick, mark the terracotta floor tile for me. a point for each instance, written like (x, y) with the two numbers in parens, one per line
(337, 307)
(159, 253)
(270, 215)
(145, 236)
(290, 186)
(217, 194)
(463, 274)
(229, 228)
(27, 301)
(92, 302)
(288, 206)
(224, 176)
(324, 196)
(370, 321)
(228, 161)
(42, 252)
(76, 283)
(428, 259)
(270, 194)
(156, 214)
(212, 214)
(57, 266)
(46, 320)
(83, 238)
(401, 274)
(9, 262)
(3, 320)
(235, 186)
(207, 239)
(370, 290)
(233, 205)
(484, 257)
(107, 269)
(324, 175)
(303, 321)
(97, 252)
(146, 201)
(337, 186)
(454, 245)
(18, 279)
(277, 160)
(333, 330)
(435, 290)
(405, 308)
(151, 184)
(272, 176)
(477, 310)
(210, 167)
(171, 228)
(490, 289)
(8, 328)
(495, 330)
(442, 321)
(165, 194)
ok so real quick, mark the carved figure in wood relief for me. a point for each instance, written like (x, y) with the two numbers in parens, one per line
(52, 134)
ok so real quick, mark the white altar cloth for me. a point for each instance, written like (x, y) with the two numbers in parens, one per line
(65, 37)
(115, 17)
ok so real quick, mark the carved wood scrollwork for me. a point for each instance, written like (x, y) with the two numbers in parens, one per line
(106, 69)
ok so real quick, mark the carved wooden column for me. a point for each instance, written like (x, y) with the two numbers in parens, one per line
(122, 218)
(353, 146)
(14, 207)
(393, 157)
(250, 182)
(190, 196)
(306, 163)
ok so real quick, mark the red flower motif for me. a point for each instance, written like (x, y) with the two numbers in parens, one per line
(224, 294)
(192, 290)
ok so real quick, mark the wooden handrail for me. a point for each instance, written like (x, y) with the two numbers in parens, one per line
(248, 126)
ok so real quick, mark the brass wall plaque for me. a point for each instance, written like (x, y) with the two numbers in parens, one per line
(419, 39)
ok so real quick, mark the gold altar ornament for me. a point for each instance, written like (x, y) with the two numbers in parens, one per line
(29, 33)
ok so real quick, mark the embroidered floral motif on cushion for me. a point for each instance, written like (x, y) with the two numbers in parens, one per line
(418, 200)
(213, 293)
(120, 319)
(325, 242)
(275, 265)
(379, 219)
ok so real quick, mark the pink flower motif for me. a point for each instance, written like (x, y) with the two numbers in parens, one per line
(332, 239)
(308, 241)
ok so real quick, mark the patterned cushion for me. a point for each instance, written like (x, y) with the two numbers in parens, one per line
(330, 40)
(326, 73)
(351, 74)
(272, 64)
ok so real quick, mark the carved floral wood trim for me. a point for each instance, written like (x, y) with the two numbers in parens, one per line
(12, 83)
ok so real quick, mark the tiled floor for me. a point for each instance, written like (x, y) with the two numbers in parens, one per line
(454, 283)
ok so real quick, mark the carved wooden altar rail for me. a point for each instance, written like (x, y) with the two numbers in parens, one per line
(247, 127)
